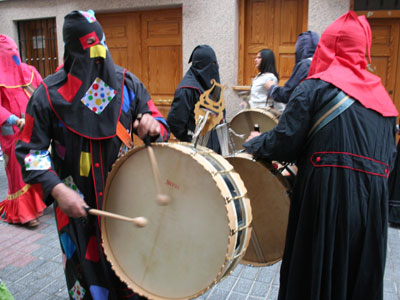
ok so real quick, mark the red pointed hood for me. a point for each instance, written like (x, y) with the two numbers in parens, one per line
(12, 71)
(340, 60)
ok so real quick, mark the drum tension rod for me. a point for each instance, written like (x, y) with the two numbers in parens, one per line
(214, 173)
(234, 231)
(230, 199)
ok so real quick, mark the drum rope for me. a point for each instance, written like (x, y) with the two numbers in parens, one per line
(257, 247)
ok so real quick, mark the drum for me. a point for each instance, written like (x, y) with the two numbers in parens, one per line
(243, 123)
(191, 243)
(267, 189)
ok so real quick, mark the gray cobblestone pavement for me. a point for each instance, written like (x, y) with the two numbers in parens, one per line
(31, 265)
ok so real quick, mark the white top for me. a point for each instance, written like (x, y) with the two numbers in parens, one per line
(259, 95)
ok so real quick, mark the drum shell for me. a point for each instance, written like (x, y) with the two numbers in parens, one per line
(268, 194)
(170, 258)
(243, 123)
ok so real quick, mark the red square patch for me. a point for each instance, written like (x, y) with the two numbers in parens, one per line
(26, 133)
(92, 253)
(62, 219)
(84, 39)
(70, 88)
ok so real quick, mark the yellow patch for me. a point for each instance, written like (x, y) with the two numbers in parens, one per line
(98, 51)
(85, 164)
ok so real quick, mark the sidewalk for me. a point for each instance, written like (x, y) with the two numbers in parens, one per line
(31, 265)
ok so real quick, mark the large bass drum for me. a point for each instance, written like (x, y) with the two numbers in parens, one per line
(191, 243)
(243, 123)
(267, 189)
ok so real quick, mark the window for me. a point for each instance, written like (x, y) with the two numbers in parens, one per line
(376, 4)
(38, 44)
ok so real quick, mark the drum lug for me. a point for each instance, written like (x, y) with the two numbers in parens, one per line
(242, 253)
(234, 231)
(229, 200)
(223, 172)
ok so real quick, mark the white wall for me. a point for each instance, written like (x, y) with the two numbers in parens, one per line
(212, 22)
(323, 13)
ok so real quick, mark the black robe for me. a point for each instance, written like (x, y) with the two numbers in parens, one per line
(337, 231)
(394, 191)
(181, 117)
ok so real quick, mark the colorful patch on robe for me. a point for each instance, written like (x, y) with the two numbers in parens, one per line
(85, 164)
(85, 38)
(98, 51)
(69, 182)
(26, 133)
(37, 160)
(129, 96)
(60, 150)
(92, 252)
(70, 88)
(98, 96)
(68, 245)
(62, 219)
(98, 292)
(103, 41)
(123, 150)
(16, 60)
(77, 292)
(89, 15)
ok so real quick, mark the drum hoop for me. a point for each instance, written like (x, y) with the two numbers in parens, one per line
(230, 248)
(285, 185)
(268, 165)
(269, 112)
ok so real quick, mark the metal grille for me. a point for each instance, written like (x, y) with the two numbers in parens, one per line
(376, 4)
(38, 44)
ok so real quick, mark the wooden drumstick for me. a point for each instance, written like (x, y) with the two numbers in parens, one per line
(138, 221)
(162, 198)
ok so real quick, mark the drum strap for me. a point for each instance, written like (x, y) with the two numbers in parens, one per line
(329, 112)
(123, 135)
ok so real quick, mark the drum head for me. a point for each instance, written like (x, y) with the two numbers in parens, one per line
(244, 121)
(270, 208)
(184, 246)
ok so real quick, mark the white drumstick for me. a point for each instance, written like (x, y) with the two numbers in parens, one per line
(162, 199)
(138, 221)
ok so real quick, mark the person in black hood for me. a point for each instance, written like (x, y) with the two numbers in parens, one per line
(305, 47)
(197, 80)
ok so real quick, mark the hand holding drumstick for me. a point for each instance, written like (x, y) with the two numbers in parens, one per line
(147, 126)
(74, 206)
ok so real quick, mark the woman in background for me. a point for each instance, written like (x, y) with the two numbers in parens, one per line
(265, 63)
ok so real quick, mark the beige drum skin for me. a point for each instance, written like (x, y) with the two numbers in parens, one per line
(189, 244)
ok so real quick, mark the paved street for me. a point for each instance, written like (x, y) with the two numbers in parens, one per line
(31, 265)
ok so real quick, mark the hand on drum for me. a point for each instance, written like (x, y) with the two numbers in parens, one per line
(252, 135)
(147, 126)
(69, 201)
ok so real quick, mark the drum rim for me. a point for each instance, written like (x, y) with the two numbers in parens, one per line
(228, 263)
(270, 112)
(285, 184)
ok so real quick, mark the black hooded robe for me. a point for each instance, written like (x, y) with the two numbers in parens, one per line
(305, 47)
(394, 191)
(181, 117)
(337, 229)
(87, 271)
